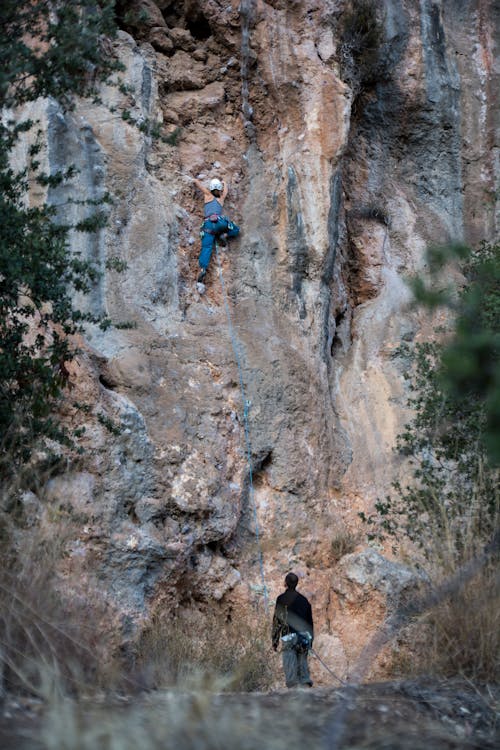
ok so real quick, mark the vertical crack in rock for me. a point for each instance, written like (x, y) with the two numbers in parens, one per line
(329, 262)
(444, 121)
(73, 145)
(246, 15)
(296, 240)
(146, 87)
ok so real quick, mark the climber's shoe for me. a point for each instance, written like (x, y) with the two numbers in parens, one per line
(202, 275)
(201, 288)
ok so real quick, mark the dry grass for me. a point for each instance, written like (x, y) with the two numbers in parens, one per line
(412, 715)
(187, 719)
(461, 636)
(53, 635)
(344, 541)
(51, 647)
(173, 650)
(57, 632)
(178, 672)
(46, 637)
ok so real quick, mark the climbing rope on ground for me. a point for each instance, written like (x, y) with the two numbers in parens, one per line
(246, 408)
(318, 657)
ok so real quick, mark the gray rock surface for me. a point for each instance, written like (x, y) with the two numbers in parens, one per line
(369, 570)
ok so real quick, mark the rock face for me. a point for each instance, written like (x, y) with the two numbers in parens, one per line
(341, 171)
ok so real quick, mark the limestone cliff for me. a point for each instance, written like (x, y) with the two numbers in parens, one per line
(341, 170)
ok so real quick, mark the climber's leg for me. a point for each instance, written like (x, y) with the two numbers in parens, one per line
(228, 230)
(210, 230)
(207, 247)
(232, 230)
(219, 226)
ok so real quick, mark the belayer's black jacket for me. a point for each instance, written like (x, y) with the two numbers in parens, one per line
(292, 614)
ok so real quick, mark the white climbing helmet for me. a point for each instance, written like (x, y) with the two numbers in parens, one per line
(216, 184)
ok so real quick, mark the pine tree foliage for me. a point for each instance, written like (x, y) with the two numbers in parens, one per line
(47, 49)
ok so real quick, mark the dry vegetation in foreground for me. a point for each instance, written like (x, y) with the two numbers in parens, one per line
(71, 641)
(172, 652)
(460, 636)
(409, 715)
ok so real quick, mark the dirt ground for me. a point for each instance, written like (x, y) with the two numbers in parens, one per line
(418, 715)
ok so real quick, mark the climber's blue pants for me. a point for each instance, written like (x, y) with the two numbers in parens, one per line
(209, 232)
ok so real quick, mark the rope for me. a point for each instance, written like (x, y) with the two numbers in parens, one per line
(313, 652)
(246, 408)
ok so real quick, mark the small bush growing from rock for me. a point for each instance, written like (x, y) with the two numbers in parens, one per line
(343, 542)
(451, 509)
(173, 138)
(55, 50)
(361, 49)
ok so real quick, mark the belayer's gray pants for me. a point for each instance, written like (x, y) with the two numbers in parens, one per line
(295, 667)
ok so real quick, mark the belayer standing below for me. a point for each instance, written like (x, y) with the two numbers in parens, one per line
(293, 625)
(215, 224)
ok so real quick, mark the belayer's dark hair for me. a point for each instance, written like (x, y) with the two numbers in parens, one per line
(291, 581)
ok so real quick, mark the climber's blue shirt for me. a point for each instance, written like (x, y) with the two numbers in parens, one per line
(213, 207)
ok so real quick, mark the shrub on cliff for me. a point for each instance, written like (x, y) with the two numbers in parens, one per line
(451, 509)
(46, 50)
(453, 440)
(362, 51)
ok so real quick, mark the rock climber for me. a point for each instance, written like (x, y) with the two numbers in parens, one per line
(293, 626)
(215, 224)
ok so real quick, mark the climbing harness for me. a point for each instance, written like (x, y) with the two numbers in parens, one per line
(214, 219)
(246, 408)
(314, 653)
(300, 642)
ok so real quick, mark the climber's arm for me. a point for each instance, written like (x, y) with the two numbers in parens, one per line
(224, 191)
(206, 193)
